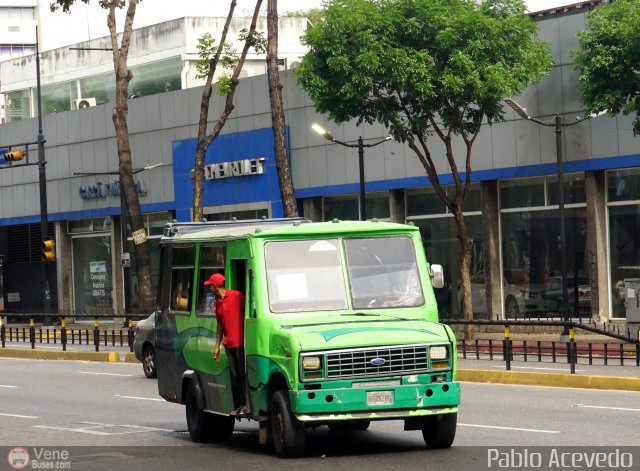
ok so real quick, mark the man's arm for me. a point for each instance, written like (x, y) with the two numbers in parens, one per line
(216, 350)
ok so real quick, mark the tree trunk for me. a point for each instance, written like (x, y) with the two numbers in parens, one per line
(466, 244)
(289, 206)
(127, 182)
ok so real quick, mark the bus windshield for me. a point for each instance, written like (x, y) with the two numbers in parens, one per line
(308, 275)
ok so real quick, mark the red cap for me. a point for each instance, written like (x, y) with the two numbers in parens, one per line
(216, 279)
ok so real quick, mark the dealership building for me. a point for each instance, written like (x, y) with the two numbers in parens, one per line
(512, 211)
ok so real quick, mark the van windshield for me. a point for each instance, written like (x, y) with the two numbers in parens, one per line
(308, 275)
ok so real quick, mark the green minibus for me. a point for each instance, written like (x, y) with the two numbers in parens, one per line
(340, 329)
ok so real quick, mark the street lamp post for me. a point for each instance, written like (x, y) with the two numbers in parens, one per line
(360, 145)
(558, 123)
(42, 183)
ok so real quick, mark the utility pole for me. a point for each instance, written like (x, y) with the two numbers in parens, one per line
(42, 179)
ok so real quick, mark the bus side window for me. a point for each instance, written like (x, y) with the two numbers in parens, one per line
(182, 270)
(212, 258)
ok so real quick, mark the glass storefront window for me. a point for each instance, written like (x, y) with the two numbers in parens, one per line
(623, 185)
(377, 205)
(531, 259)
(347, 207)
(239, 215)
(17, 104)
(439, 236)
(92, 274)
(101, 87)
(82, 226)
(624, 240)
(344, 207)
(158, 77)
(425, 201)
(523, 193)
(58, 97)
(575, 190)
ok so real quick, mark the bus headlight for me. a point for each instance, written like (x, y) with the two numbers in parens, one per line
(311, 363)
(438, 352)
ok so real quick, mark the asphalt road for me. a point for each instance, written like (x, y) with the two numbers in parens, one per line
(108, 416)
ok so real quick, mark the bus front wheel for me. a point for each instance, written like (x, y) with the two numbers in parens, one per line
(287, 431)
(439, 431)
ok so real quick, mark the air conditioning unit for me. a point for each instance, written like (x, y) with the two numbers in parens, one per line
(85, 103)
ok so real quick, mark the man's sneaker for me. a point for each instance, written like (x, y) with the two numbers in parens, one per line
(241, 411)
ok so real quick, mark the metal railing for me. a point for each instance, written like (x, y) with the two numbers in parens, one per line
(61, 335)
(626, 349)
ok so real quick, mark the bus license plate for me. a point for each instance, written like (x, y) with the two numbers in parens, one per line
(379, 398)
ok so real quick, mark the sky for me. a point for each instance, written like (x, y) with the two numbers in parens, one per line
(88, 21)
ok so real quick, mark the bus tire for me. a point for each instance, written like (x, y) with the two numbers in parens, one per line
(199, 422)
(439, 431)
(287, 431)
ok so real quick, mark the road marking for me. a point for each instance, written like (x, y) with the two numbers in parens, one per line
(142, 428)
(67, 429)
(607, 407)
(140, 398)
(510, 428)
(102, 374)
(7, 386)
(535, 368)
(19, 416)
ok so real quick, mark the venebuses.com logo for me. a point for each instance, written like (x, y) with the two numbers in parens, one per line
(18, 457)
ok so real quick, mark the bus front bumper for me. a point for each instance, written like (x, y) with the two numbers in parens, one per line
(404, 401)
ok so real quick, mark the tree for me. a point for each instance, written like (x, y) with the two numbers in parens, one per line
(432, 71)
(609, 59)
(277, 114)
(312, 14)
(120, 113)
(212, 56)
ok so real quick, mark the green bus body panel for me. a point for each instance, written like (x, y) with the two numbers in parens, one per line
(274, 341)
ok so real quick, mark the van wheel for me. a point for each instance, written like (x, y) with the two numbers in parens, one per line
(439, 431)
(198, 421)
(511, 308)
(149, 362)
(286, 429)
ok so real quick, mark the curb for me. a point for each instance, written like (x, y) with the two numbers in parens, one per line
(554, 380)
(130, 357)
(59, 355)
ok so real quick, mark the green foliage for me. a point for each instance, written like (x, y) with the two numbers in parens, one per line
(67, 4)
(407, 63)
(312, 14)
(228, 61)
(609, 60)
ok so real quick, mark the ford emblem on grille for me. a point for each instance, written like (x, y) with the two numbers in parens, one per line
(378, 361)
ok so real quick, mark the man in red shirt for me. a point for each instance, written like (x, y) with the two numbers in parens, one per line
(230, 315)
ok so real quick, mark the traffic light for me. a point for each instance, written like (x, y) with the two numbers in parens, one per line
(48, 250)
(14, 155)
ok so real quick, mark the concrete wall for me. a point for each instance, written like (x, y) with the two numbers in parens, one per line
(175, 38)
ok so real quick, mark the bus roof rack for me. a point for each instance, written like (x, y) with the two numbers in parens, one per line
(173, 229)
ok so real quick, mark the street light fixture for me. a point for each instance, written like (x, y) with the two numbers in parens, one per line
(360, 145)
(558, 123)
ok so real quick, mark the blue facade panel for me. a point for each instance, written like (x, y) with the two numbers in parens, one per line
(240, 189)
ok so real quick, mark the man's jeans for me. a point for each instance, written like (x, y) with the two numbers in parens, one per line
(236, 368)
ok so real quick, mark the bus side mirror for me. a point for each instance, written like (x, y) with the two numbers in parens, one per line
(437, 276)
